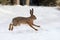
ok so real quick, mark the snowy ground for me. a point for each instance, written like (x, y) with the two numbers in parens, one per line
(47, 17)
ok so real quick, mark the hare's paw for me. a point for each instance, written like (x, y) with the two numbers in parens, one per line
(10, 29)
(36, 29)
(38, 26)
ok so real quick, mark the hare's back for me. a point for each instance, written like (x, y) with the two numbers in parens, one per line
(19, 19)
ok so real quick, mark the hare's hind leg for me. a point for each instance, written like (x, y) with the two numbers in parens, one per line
(11, 27)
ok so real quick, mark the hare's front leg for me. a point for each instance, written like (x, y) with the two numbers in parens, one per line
(32, 26)
(36, 25)
(11, 27)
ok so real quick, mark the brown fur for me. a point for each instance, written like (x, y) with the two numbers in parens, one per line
(24, 20)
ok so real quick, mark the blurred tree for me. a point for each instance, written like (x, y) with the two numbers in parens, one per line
(47, 2)
(58, 3)
(3, 2)
(22, 2)
(31, 2)
(27, 2)
(34, 2)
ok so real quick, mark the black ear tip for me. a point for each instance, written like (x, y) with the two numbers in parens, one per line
(32, 9)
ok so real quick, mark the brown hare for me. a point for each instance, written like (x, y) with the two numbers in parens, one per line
(24, 20)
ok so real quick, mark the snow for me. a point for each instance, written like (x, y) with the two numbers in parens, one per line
(47, 17)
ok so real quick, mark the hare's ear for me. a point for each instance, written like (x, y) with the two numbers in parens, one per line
(31, 11)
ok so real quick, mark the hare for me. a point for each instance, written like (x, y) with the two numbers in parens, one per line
(24, 20)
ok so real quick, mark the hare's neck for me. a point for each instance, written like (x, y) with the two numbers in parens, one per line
(30, 18)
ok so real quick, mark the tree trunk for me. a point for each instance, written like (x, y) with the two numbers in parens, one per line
(4, 2)
(27, 2)
(16, 2)
(58, 2)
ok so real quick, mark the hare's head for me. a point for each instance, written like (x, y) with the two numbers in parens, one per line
(31, 13)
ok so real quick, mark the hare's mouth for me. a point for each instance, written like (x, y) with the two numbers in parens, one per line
(34, 18)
